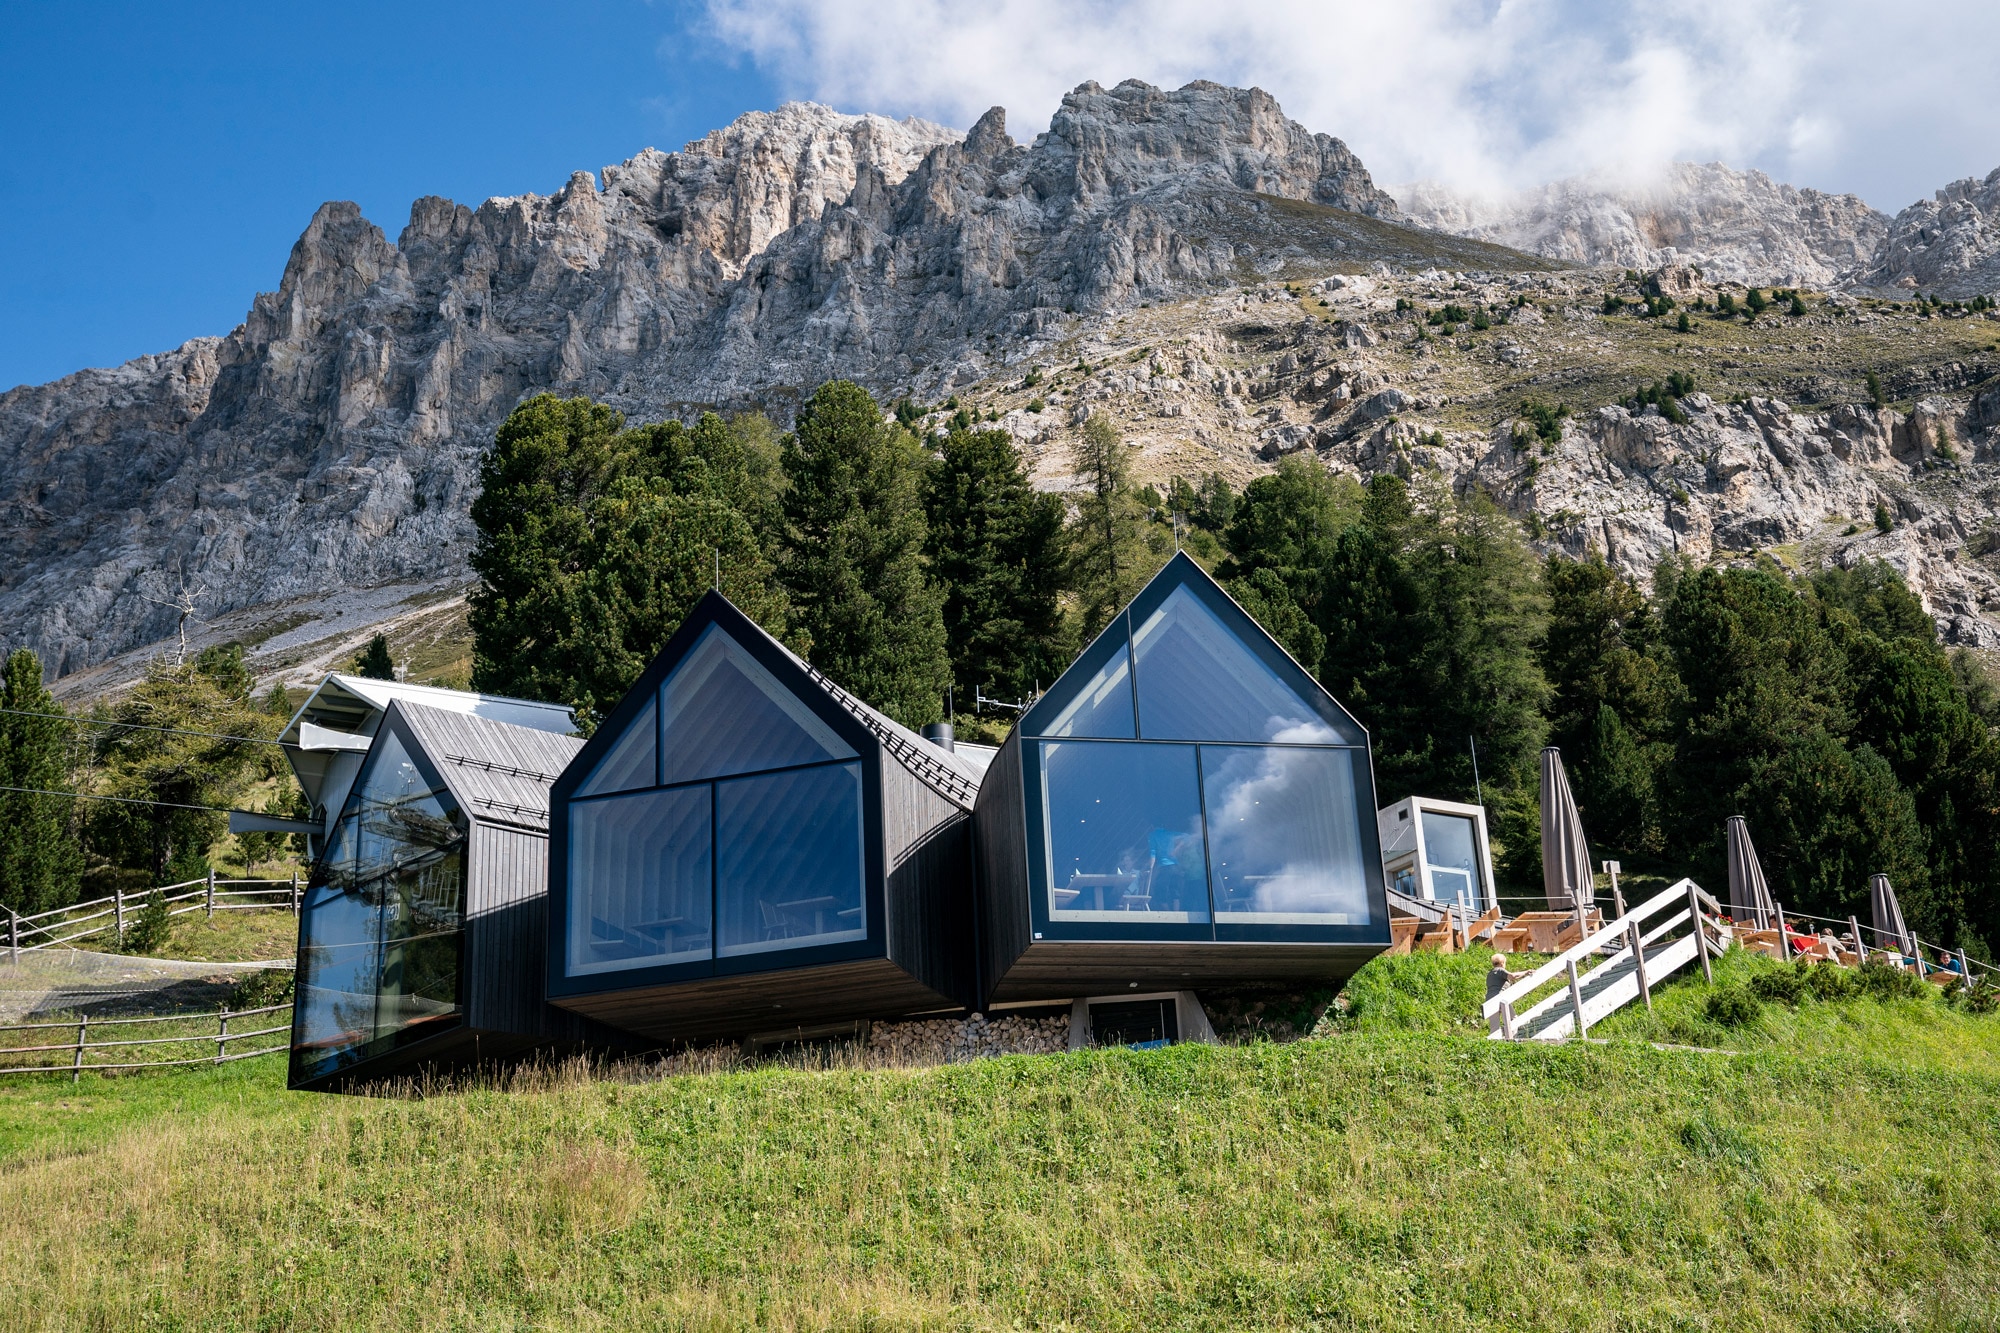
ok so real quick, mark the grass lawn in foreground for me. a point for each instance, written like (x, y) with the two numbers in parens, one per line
(1378, 1178)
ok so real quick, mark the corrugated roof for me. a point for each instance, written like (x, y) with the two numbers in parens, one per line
(500, 773)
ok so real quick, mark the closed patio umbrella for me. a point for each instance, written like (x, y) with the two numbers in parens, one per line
(1888, 914)
(1565, 856)
(1749, 895)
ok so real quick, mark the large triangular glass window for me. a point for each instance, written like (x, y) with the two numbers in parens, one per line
(1101, 705)
(1198, 681)
(722, 712)
(630, 764)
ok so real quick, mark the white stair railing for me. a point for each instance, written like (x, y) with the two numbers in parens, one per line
(1631, 960)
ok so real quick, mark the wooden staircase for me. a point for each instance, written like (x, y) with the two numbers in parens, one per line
(1612, 966)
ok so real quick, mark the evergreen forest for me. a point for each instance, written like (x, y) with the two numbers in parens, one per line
(928, 576)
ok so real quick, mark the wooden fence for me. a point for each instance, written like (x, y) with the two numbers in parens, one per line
(78, 1048)
(101, 916)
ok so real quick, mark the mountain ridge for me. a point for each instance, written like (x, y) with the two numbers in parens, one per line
(329, 445)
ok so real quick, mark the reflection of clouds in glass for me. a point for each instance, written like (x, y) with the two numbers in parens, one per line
(1284, 835)
(1291, 731)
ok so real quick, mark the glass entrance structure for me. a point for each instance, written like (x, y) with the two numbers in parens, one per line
(1185, 804)
(420, 933)
(744, 847)
(1437, 852)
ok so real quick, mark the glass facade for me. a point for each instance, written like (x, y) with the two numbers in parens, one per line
(1451, 854)
(1215, 788)
(381, 929)
(747, 838)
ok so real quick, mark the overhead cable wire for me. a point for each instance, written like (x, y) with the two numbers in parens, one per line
(141, 726)
(134, 800)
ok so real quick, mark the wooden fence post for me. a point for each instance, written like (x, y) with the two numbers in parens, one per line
(76, 1065)
(295, 893)
(1576, 999)
(14, 932)
(1639, 964)
(1784, 936)
(118, 910)
(222, 1034)
(211, 893)
(1700, 936)
(1507, 1028)
(1965, 969)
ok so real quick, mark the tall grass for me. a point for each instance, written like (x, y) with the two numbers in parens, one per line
(1367, 1181)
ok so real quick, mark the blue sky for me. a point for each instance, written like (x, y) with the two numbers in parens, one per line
(157, 162)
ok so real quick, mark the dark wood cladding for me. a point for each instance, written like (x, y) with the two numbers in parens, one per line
(927, 849)
(1062, 969)
(506, 943)
(1002, 835)
(735, 1006)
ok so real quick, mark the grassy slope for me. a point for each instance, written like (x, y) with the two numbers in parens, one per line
(1379, 1178)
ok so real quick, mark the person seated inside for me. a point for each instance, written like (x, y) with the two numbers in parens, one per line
(1499, 978)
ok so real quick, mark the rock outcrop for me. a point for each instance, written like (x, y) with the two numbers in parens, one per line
(331, 441)
(1947, 245)
(1737, 226)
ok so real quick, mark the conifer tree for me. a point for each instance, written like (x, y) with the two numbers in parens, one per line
(189, 748)
(1112, 552)
(852, 555)
(375, 663)
(595, 542)
(996, 546)
(39, 860)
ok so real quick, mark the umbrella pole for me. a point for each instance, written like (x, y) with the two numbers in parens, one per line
(1784, 936)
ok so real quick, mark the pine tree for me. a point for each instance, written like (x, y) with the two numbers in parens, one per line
(189, 748)
(595, 541)
(1282, 532)
(1608, 697)
(852, 554)
(996, 545)
(551, 459)
(375, 663)
(39, 860)
(1112, 552)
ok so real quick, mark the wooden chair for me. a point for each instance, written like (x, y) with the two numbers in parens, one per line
(1402, 933)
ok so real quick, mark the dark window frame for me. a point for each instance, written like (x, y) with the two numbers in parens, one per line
(715, 610)
(1032, 735)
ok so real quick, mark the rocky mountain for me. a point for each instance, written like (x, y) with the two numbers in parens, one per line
(330, 443)
(1947, 245)
(1736, 225)
(1222, 281)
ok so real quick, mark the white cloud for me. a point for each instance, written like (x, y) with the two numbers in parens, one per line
(1484, 94)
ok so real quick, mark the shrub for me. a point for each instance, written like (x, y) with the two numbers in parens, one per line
(260, 990)
(1983, 998)
(1781, 985)
(1882, 982)
(1828, 981)
(1725, 305)
(1756, 302)
(1480, 319)
(1665, 396)
(1883, 523)
(1456, 314)
(1403, 305)
(150, 928)
(1684, 324)
(1545, 418)
(1037, 405)
(1875, 394)
(1032, 378)
(1613, 304)
(1798, 307)
(1733, 1007)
